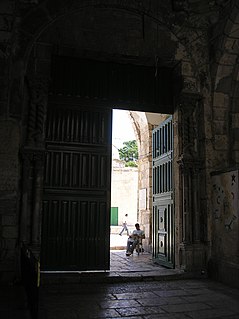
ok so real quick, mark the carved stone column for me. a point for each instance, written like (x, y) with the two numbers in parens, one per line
(196, 202)
(33, 162)
(25, 189)
(37, 196)
(186, 205)
(37, 111)
(191, 251)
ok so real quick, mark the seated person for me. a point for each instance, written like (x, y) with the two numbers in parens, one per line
(134, 239)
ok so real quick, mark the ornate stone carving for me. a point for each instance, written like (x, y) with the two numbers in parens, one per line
(190, 110)
(33, 165)
(180, 5)
(30, 154)
(38, 103)
(189, 86)
(190, 162)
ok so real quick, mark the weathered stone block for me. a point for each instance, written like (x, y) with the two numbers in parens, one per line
(7, 270)
(11, 243)
(223, 72)
(229, 28)
(7, 6)
(221, 142)
(236, 156)
(234, 13)
(43, 51)
(228, 59)
(217, 31)
(2, 108)
(231, 45)
(10, 231)
(8, 264)
(234, 32)
(208, 130)
(9, 148)
(235, 120)
(235, 147)
(220, 114)
(54, 7)
(43, 68)
(234, 104)
(5, 36)
(9, 220)
(7, 206)
(186, 69)
(34, 22)
(219, 127)
(6, 22)
(236, 134)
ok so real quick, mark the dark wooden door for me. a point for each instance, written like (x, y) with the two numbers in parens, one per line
(76, 200)
(163, 209)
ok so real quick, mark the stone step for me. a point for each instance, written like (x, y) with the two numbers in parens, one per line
(116, 277)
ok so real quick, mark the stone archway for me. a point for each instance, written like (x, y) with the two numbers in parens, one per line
(225, 98)
(223, 154)
(39, 65)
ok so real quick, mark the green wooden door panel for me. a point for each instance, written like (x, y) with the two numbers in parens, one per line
(163, 209)
(76, 199)
(114, 216)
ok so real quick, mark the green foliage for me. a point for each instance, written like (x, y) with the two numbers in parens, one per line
(131, 164)
(129, 153)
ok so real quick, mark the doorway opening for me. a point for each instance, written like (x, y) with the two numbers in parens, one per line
(132, 185)
(124, 179)
(77, 169)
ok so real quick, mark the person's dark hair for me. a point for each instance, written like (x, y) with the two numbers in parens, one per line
(136, 225)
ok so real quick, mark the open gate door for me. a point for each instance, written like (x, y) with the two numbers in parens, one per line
(76, 199)
(163, 211)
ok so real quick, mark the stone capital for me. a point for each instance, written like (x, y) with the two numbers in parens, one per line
(188, 101)
(191, 164)
(30, 154)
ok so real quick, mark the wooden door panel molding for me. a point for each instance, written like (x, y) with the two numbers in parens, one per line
(77, 125)
(76, 170)
(74, 234)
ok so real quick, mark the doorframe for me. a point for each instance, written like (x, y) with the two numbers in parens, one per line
(32, 162)
(191, 249)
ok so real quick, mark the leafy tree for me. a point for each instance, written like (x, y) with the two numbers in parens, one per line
(129, 153)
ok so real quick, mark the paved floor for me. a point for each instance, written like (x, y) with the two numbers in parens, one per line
(134, 288)
(195, 299)
(122, 268)
(13, 302)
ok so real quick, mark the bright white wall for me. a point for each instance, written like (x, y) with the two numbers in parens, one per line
(124, 192)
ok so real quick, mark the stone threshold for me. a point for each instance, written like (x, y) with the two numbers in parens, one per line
(49, 278)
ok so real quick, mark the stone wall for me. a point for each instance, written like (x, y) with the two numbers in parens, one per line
(9, 181)
(225, 221)
(124, 193)
(201, 37)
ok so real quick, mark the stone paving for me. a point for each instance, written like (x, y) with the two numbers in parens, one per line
(195, 299)
(13, 302)
(134, 288)
(142, 262)
(122, 268)
(137, 289)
